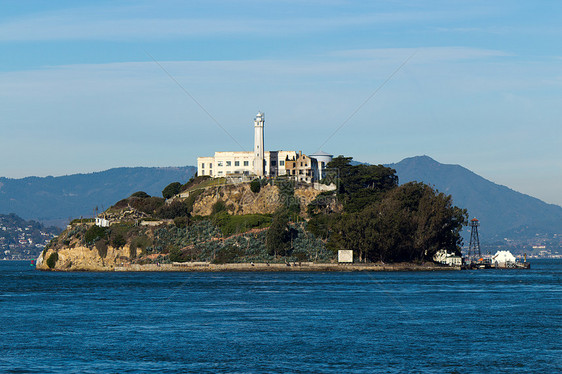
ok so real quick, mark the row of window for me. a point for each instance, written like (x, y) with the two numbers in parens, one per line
(236, 163)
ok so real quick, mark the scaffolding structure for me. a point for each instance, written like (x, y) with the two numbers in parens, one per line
(474, 253)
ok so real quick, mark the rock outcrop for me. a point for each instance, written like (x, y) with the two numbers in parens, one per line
(84, 258)
(239, 199)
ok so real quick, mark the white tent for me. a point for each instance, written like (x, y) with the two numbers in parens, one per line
(503, 259)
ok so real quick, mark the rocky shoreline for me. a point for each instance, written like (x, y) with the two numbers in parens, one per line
(266, 267)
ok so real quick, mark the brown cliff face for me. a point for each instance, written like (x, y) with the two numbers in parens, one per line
(239, 199)
(84, 258)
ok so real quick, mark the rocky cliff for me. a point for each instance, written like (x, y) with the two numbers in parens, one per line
(239, 199)
(144, 238)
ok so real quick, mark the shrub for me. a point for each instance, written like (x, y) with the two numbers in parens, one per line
(226, 254)
(218, 207)
(194, 181)
(81, 220)
(141, 242)
(230, 225)
(177, 255)
(118, 241)
(181, 221)
(171, 190)
(193, 195)
(52, 260)
(121, 204)
(94, 233)
(140, 194)
(101, 246)
(255, 186)
(147, 205)
(173, 210)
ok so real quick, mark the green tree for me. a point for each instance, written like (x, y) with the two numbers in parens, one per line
(384, 222)
(278, 239)
(255, 186)
(171, 190)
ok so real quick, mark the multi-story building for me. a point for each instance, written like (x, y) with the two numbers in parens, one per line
(301, 168)
(261, 163)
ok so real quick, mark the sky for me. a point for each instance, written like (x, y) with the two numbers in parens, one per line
(90, 85)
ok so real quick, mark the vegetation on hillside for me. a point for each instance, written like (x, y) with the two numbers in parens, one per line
(368, 213)
(382, 221)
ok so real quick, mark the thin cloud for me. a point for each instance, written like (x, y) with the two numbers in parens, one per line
(423, 55)
(85, 24)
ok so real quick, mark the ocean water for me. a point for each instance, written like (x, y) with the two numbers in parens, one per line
(506, 321)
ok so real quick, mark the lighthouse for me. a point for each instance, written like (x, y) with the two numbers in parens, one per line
(259, 122)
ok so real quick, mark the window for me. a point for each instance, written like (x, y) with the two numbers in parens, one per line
(236, 163)
(203, 165)
(228, 163)
(220, 172)
(281, 163)
(246, 163)
(219, 163)
(210, 166)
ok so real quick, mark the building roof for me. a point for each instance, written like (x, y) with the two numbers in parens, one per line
(321, 153)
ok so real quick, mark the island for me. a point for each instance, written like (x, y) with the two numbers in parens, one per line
(268, 224)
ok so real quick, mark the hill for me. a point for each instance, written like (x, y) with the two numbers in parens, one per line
(502, 211)
(21, 239)
(267, 221)
(56, 199)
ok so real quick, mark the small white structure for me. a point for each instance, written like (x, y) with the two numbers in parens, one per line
(322, 159)
(446, 258)
(503, 259)
(102, 222)
(345, 255)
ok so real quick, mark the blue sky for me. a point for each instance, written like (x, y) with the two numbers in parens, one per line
(80, 92)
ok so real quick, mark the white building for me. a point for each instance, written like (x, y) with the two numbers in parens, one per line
(446, 258)
(258, 163)
(102, 222)
(322, 160)
(243, 163)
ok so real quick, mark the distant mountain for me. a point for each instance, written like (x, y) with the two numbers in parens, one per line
(502, 211)
(56, 199)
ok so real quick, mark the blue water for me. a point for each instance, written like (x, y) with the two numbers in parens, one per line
(444, 322)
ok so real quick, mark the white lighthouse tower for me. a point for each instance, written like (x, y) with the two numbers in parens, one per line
(259, 122)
